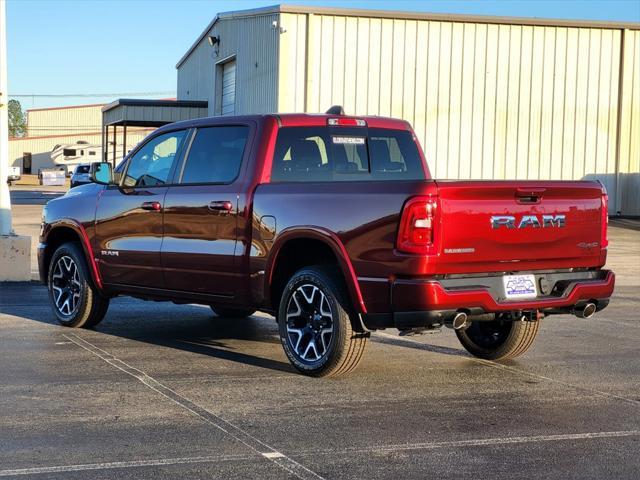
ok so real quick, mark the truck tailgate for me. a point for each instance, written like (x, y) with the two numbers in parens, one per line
(500, 226)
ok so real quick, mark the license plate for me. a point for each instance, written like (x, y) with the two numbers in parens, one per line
(520, 286)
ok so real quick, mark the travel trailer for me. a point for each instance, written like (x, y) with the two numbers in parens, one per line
(73, 154)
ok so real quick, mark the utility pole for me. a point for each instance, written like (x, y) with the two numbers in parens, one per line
(15, 251)
(5, 199)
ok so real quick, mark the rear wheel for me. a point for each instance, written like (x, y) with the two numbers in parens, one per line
(315, 325)
(74, 299)
(228, 312)
(498, 339)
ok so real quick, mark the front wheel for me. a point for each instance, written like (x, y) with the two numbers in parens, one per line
(498, 339)
(315, 325)
(75, 301)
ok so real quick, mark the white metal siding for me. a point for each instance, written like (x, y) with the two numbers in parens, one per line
(64, 120)
(486, 100)
(628, 198)
(228, 100)
(254, 42)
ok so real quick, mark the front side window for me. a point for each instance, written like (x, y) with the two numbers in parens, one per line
(311, 154)
(151, 165)
(215, 154)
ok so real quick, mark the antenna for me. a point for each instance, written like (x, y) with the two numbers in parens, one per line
(335, 110)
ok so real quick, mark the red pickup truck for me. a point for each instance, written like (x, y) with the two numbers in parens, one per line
(332, 224)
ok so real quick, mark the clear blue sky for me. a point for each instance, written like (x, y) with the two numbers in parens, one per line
(103, 46)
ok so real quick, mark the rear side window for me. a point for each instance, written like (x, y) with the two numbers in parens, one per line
(312, 154)
(215, 155)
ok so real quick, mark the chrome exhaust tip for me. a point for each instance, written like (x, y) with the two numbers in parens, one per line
(587, 312)
(460, 321)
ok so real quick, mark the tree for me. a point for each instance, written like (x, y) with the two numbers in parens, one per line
(17, 120)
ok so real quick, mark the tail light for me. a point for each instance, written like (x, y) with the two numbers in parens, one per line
(417, 226)
(604, 223)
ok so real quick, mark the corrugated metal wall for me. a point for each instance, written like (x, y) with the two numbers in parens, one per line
(64, 120)
(155, 114)
(629, 165)
(487, 101)
(254, 42)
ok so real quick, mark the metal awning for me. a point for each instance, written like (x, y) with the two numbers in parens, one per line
(144, 113)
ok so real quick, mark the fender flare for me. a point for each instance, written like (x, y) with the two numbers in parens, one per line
(337, 247)
(79, 229)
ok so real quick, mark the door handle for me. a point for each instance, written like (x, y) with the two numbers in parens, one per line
(224, 205)
(152, 206)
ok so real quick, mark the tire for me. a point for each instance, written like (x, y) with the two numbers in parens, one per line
(498, 339)
(314, 310)
(74, 299)
(229, 312)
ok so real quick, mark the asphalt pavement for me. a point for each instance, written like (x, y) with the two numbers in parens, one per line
(30, 195)
(165, 391)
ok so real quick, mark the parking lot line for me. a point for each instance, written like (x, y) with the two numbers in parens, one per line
(159, 462)
(473, 443)
(258, 446)
(518, 371)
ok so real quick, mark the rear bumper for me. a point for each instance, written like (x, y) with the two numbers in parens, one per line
(480, 293)
(424, 302)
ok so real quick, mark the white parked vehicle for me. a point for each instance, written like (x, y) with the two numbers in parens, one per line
(14, 174)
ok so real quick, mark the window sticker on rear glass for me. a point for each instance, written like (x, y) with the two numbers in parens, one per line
(348, 140)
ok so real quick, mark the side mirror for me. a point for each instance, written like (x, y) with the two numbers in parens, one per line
(101, 173)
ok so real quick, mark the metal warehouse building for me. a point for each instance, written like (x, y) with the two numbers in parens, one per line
(489, 97)
(48, 128)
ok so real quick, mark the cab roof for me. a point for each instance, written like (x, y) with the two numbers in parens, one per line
(291, 120)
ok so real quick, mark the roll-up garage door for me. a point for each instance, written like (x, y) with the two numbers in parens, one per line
(229, 88)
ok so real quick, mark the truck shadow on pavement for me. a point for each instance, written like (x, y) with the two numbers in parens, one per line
(213, 337)
(418, 345)
(188, 328)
